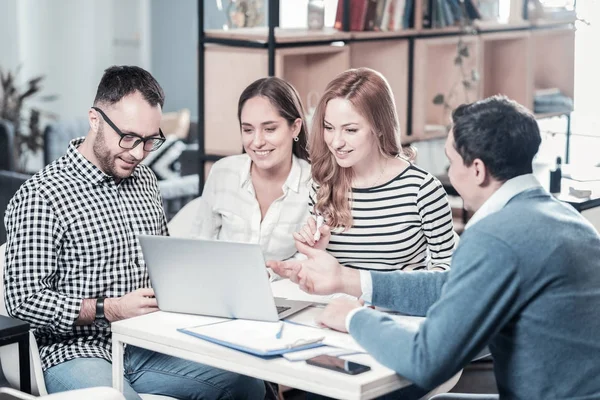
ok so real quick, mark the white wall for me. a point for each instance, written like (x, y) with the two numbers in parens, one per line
(174, 58)
(71, 42)
(9, 32)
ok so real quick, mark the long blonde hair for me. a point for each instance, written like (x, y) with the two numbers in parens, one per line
(371, 96)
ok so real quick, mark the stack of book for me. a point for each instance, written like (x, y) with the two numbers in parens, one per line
(549, 101)
(444, 13)
(376, 15)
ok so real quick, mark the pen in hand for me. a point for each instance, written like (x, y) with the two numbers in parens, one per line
(320, 221)
(280, 331)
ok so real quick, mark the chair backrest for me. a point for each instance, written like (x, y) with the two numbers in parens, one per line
(9, 355)
(7, 137)
(10, 182)
(13, 394)
(58, 134)
(179, 225)
(177, 192)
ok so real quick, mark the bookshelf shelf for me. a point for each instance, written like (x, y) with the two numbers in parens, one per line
(261, 35)
(484, 26)
(548, 23)
(439, 31)
(551, 115)
(404, 33)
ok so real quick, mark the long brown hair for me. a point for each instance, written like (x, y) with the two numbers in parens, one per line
(284, 97)
(371, 96)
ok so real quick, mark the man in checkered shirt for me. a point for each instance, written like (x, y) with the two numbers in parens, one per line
(73, 261)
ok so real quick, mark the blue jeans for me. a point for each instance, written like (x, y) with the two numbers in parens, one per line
(155, 373)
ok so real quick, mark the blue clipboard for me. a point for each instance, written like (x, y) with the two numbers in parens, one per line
(303, 345)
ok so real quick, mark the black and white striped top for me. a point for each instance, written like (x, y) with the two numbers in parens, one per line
(404, 224)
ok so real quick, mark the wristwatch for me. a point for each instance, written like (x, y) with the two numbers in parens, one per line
(100, 320)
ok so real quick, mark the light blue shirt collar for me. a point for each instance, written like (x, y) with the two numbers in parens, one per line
(507, 191)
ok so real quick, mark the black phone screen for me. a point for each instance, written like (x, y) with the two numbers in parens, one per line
(337, 364)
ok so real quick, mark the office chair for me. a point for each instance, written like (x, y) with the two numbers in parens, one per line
(97, 393)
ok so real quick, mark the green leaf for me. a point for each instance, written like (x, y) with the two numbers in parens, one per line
(466, 84)
(464, 51)
(438, 99)
(458, 60)
(475, 75)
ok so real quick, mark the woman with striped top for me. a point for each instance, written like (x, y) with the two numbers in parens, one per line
(382, 212)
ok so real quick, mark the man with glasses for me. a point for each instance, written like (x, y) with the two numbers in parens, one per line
(73, 261)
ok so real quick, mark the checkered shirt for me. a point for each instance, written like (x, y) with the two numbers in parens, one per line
(72, 235)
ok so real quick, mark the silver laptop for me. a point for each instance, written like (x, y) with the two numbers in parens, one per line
(217, 278)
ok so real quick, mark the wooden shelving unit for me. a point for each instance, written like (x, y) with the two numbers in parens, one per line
(512, 59)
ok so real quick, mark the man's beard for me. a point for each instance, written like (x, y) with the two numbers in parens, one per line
(102, 154)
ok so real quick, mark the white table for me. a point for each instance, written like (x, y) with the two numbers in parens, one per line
(158, 332)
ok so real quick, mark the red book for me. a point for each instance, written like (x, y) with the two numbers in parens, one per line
(358, 12)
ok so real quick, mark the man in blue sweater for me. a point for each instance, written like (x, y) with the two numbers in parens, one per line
(525, 278)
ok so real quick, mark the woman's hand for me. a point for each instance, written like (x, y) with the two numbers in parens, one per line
(308, 234)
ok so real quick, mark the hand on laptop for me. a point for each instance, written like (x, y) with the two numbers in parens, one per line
(314, 233)
(320, 273)
(334, 315)
(133, 304)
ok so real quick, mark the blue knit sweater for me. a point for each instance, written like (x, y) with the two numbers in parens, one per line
(525, 281)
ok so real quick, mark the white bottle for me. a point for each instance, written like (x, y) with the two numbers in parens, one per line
(316, 14)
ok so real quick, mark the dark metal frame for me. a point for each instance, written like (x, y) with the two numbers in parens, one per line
(18, 332)
(271, 45)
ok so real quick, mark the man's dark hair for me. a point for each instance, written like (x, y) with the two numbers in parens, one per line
(498, 131)
(120, 81)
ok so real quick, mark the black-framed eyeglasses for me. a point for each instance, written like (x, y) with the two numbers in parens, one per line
(130, 141)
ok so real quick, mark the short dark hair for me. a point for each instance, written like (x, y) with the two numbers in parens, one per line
(284, 97)
(498, 131)
(120, 81)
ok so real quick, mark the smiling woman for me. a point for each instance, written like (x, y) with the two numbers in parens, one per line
(384, 212)
(261, 196)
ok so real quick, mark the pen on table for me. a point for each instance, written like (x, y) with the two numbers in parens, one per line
(320, 221)
(280, 331)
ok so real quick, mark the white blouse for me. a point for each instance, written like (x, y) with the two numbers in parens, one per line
(229, 209)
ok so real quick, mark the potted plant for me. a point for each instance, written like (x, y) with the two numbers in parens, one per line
(29, 136)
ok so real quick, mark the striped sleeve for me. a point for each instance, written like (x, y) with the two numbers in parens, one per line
(436, 222)
(312, 197)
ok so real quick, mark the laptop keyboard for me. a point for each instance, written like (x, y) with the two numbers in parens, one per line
(281, 309)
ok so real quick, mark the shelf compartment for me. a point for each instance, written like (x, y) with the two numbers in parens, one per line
(553, 54)
(506, 66)
(436, 73)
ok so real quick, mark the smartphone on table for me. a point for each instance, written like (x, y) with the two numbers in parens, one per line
(337, 364)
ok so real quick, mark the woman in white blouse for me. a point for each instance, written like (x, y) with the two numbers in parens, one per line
(261, 196)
